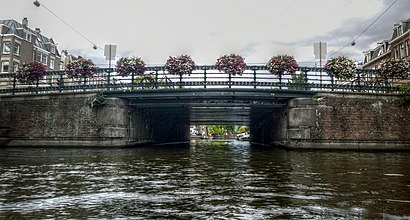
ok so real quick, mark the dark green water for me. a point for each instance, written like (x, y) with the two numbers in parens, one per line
(207, 180)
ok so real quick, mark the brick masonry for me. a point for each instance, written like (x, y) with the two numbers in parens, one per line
(70, 120)
(363, 118)
(372, 121)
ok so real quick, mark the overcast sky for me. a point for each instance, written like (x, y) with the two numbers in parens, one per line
(206, 29)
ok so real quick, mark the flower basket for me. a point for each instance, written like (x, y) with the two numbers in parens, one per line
(341, 68)
(231, 64)
(80, 68)
(130, 65)
(395, 68)
(30, 73)
(180, 65)
(282, 63)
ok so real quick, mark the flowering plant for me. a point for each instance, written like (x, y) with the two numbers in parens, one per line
(395, 68)
(125, 66)
(31, 72)
(341, 67)
(180, 65)
(231, 64)
(282, 63)
(80, 68)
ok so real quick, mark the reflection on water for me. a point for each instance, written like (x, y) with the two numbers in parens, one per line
(224, 180)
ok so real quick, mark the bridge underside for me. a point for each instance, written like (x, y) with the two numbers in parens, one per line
(211, 106)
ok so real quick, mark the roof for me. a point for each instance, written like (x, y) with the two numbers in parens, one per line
(405, 24)
(15, 28)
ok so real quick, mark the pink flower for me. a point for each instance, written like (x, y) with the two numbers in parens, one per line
(231, 64)
(31, 72)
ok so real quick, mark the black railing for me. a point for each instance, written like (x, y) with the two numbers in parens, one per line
(206, 76)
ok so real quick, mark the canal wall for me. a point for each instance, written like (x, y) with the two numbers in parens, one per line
(82, 120)
(343, 121)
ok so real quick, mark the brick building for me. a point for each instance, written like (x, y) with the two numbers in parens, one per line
(20, 44)
(398, 47)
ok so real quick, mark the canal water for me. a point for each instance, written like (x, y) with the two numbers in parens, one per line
(206, 180)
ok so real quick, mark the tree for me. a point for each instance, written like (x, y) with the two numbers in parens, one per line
(243, 129)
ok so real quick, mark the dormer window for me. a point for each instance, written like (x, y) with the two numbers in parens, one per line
(27, 36)
(53, 49)
(399, 30)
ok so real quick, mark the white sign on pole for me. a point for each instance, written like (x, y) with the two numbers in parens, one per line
(110, 52)
(320, 50)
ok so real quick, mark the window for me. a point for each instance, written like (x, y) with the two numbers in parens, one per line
(53, 49)
(27, 36)
(5, 66)
(16, 49)
(15, 66)
(40, 57)
(44, 59)
(396, 53)
(51, 65)
(6, 47)
(402, 51)
(399, 30)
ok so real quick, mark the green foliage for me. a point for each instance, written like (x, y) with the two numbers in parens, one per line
(230, 129)
(404, 91)
(243, 129)
(221, 129)
(98, 101)
(297, 79)
(216, 129)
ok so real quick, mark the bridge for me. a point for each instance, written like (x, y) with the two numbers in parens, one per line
(279, 108)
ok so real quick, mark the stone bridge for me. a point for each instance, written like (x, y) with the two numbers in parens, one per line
(293, 120)
(308, 111)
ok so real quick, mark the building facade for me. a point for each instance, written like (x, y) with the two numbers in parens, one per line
(398, 47)
(19, 44)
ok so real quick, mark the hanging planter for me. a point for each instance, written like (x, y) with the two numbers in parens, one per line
(130, 65)
(80, 68)
(397, 68)
(30, 73)
(232, 64)
(180, 65)
(341, 67)
(282, 63)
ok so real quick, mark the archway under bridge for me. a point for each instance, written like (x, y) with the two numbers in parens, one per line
(223, 106)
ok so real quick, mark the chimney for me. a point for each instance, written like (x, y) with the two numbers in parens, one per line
(38, 31)
(25, 22)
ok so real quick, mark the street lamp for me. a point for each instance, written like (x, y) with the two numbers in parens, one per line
(36, 3)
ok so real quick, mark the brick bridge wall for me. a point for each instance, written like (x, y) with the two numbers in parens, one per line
(348, 121)
(69, 120)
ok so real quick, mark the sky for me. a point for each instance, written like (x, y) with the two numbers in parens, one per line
(207, 29)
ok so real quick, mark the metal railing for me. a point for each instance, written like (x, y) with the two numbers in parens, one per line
(206, 76)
